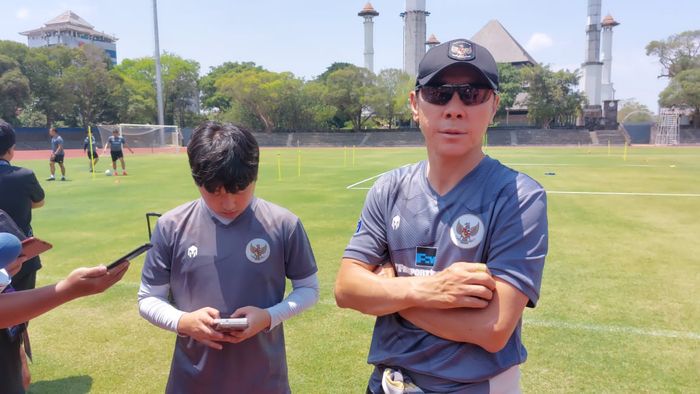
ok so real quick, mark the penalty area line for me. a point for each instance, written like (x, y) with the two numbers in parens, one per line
(368, 179)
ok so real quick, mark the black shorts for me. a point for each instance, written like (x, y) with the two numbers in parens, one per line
(116, 154)
(94, 154)
(57, 158)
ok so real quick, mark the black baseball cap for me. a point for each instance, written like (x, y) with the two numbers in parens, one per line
(457, 51)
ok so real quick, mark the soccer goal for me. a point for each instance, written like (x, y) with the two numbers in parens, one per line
(157, 138)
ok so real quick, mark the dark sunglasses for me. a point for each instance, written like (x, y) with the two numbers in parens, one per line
(469, 94)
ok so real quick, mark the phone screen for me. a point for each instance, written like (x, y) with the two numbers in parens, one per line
(130, 256)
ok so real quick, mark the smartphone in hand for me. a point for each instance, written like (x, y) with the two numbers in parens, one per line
(129, 256)
(228, 325)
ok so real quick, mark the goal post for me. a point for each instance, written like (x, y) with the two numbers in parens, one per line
(157, 138)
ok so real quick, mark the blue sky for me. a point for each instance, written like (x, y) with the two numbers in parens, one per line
(306, 36)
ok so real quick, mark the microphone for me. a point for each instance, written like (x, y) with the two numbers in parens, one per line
(10, 248)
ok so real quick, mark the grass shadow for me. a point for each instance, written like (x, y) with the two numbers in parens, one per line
(73, 384)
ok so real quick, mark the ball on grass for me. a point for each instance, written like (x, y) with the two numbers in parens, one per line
(108, 172)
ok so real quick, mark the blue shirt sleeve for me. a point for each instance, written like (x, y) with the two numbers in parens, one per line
(519, 241)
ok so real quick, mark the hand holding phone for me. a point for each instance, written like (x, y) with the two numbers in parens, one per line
(129, 256)
(228, 325)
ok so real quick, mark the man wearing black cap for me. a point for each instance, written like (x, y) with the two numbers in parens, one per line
(450, 250)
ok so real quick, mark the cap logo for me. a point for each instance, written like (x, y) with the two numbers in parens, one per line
(461, 50)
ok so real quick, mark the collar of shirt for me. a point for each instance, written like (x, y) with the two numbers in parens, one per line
(221, 219)
(4, 162)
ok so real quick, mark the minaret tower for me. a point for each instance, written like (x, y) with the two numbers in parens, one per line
(432, 41)
(592, 67)
(413, 35)
(368, 13)
(607, 90)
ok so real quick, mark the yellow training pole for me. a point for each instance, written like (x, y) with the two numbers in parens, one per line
(92, 159)
(353, 156)
(624, 153)
(345, 156)
(298, 162)
(279, 168)
(608, 147)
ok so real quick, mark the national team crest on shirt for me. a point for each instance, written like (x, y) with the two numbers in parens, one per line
(461, 50)
(257, 250)
(467, 231)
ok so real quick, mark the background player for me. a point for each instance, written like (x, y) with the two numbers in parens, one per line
(90, 148)
(57, 155)
(115, 143)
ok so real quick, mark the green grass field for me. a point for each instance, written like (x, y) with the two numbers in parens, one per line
(619, 308)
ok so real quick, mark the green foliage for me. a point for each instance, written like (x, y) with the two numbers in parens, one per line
(14, 89)
(90, 86)
(677, 53)
(212, 100)
(349, 90)
(389, 100)
(552, 96)
(632, 111)
(684, 91)
(510, 83)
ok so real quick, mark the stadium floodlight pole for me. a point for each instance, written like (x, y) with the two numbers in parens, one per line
(159, 80)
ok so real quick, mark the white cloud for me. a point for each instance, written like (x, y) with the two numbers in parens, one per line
(22, 13)
(538, 41)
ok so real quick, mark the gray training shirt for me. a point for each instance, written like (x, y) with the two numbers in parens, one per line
(494, 215)
(210, 264)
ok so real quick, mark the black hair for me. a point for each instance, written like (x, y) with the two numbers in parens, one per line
(7, 137)
(223, 155)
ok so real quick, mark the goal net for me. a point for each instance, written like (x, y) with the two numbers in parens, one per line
(156, 138)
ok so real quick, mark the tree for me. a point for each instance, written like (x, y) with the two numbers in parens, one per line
(333, 68)
(552, 97)
(14, 89)
(677, 53)
(684, 90)
(349, 90)
(91, 86)
(509, 85)
(180, 90)
(390, 98)
(258, 92)
(45, 69)
(632, 111)
(212, 99)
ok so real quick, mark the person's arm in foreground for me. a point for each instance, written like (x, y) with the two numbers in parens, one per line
(21, 306)
(465, 285)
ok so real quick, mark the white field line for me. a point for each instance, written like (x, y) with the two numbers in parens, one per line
(602, 328)
(559, 191)
(626, 193)
(369, 179)
(612, 329)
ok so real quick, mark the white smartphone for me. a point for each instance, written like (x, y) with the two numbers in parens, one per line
(235, 324)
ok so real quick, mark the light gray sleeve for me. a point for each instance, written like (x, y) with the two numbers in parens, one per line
(305, 293)
(154, 307)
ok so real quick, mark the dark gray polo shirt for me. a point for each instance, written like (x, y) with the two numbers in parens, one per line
(494, 215)
(228, 266)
